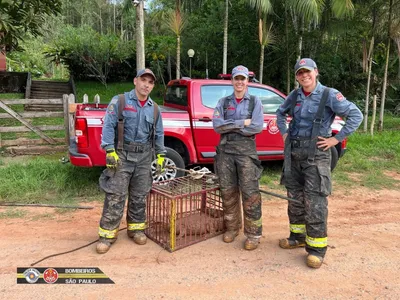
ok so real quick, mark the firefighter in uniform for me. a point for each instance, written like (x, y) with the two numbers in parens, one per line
(307, 169)
(238, 118)
(129, 169)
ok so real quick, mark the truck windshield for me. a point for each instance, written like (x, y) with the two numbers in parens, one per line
(177, 94)
(210, 94)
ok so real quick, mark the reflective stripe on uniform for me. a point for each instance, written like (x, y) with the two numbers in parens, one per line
(108, 234)
(136, 226)
(298, 228)
(317, 242)
(250, 222)
(258, 222)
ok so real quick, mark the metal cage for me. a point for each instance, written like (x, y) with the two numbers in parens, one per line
(184, 211)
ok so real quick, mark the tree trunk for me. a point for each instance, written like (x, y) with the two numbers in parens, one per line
(373, 115)
(122, 27)
(225, 55)
(369, 60)
(169, 67)
(178, 57)
(101, 21)
(288, 75)
(384, 86)
(114, 17)
(262, 63)
(140, 62)
(299, 50)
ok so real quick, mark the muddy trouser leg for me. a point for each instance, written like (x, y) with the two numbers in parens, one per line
(294, 184)
(115, 185)
(229, 187)
(139, 188)
(316, 189)
(249, 171)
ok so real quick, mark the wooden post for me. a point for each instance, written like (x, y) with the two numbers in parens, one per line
(66, 115)
(71, 113)
(97, 100)
(373, 115)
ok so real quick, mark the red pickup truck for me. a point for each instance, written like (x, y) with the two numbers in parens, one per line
(187, 118)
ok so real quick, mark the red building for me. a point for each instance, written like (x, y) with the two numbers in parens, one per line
(3, 66)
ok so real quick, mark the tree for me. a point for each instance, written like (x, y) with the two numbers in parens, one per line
(225, 53)
(140, 57)
(176, 22)
(266, 37)
(308, 13)
(369, 63)
(24, 16)
(385, 76)
(265, 34)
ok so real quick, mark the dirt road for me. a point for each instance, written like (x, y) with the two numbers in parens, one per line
(363, 259)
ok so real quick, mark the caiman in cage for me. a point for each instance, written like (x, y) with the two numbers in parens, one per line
(183, 211)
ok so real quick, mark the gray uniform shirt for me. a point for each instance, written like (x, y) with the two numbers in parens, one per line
(307, 107)
(139, 122)
(233, 119)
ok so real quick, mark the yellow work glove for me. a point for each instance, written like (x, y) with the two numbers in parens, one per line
(112, 159)
(160, 163)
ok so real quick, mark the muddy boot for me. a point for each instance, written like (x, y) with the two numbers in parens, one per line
(294, 241)
(314, 261)
(138, 237)
(251, 243)
(103, 245)
(229, 236)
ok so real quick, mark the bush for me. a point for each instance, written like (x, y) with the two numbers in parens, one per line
(89, 54)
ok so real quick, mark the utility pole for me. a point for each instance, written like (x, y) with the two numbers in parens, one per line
(140, 62)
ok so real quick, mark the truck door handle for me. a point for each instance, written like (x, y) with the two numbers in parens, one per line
(205, 119)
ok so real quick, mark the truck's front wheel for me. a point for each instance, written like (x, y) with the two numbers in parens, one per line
(172, 160)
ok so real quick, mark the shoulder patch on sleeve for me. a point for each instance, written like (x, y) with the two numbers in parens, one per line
(216, 114)
(339, 96)
(110, 109)
(114, 101)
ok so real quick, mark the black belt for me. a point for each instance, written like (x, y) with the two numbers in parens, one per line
(300, 143)
(135, 147)
(237, 137)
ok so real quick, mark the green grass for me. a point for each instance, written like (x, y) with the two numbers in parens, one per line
(12, 96)
(91, 88)
(46, 180)
(12, 213)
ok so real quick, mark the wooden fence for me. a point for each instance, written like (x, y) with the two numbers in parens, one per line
(42, 143)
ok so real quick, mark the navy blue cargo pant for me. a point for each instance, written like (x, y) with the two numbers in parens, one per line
(239, 171)
(132, 177)
(310, 183)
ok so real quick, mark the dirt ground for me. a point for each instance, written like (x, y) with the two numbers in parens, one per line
(362, 262)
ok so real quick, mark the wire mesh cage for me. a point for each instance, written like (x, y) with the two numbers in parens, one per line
(183, 211)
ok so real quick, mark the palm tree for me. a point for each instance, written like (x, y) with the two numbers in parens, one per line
(266, 37)
(307, 13)
(176, 22)
(265, 34)
(225, 52)
(140, 61)
(385, 76)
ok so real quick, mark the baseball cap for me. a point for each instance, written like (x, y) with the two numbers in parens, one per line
(305, 63)
(142, 72)
(240, 70)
